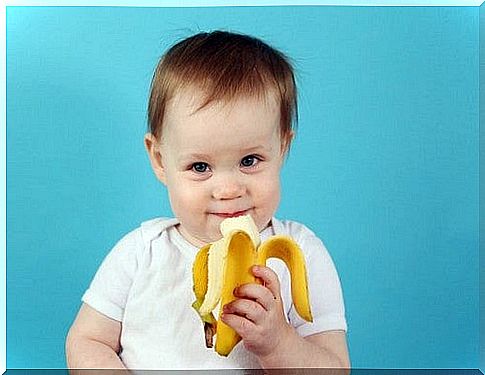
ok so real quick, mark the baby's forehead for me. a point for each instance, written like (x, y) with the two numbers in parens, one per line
(243, 119)
(195, 99)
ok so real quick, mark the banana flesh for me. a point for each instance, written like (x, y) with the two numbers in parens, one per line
(242, 223)
(226, 264)
(215, 263)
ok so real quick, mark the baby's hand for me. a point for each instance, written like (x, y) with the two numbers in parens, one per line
(257, 315)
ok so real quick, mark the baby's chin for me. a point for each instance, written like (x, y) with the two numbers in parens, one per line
(202, 239)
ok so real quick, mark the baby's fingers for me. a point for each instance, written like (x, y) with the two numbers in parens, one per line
(258, 293)
(240, 324)
(246, 308)
(270, 279)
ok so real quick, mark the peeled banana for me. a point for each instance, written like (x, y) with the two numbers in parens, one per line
(226, 264)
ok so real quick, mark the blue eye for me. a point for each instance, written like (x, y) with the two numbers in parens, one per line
(199, 167)
(249, 161)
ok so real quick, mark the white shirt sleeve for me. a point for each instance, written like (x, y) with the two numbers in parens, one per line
(109, 288)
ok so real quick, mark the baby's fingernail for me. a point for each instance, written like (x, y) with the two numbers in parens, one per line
(223, 316)
(235, 291)
(256, 268)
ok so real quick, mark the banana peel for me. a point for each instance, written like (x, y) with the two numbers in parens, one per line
(226, 264)
(200, 275)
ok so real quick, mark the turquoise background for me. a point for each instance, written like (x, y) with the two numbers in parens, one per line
(385, 166)
(482, 189)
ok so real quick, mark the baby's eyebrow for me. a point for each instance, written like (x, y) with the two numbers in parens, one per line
(193, 157)
(258, 148)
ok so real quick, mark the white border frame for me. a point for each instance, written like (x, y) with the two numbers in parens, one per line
(141, 3)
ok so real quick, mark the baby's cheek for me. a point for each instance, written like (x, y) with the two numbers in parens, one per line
(273, 183)
(184, 200)
(268, 193)
(193, 201)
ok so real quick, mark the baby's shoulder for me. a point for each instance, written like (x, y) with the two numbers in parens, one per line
(294, 229)
(309, 242)
(137, 239)
(153, 228)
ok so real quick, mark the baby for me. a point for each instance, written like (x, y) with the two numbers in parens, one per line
(220, 114)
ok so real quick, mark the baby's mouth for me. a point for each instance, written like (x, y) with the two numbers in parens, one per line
(226, 215)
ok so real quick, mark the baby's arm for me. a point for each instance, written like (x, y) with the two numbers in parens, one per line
(258, 316)
(324, 349)
(93, 341)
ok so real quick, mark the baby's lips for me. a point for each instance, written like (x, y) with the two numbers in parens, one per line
(230, 214)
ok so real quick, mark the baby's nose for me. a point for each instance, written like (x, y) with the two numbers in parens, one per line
(228, 187)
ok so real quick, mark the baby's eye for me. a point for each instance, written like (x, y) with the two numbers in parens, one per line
(200, 167)
(250, 161)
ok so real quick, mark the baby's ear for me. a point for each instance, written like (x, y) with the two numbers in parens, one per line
(153, 149)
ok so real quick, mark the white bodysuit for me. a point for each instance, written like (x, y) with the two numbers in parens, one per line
(145, 282)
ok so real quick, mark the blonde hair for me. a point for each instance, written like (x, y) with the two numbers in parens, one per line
(224, 66)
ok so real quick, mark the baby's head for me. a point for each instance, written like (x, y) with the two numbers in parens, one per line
(221, 114)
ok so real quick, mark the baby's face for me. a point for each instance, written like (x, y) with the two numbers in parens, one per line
(221, 161)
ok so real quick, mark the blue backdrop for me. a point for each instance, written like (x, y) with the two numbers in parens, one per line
(384, 167)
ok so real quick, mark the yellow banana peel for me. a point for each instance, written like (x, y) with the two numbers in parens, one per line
(226, 264)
